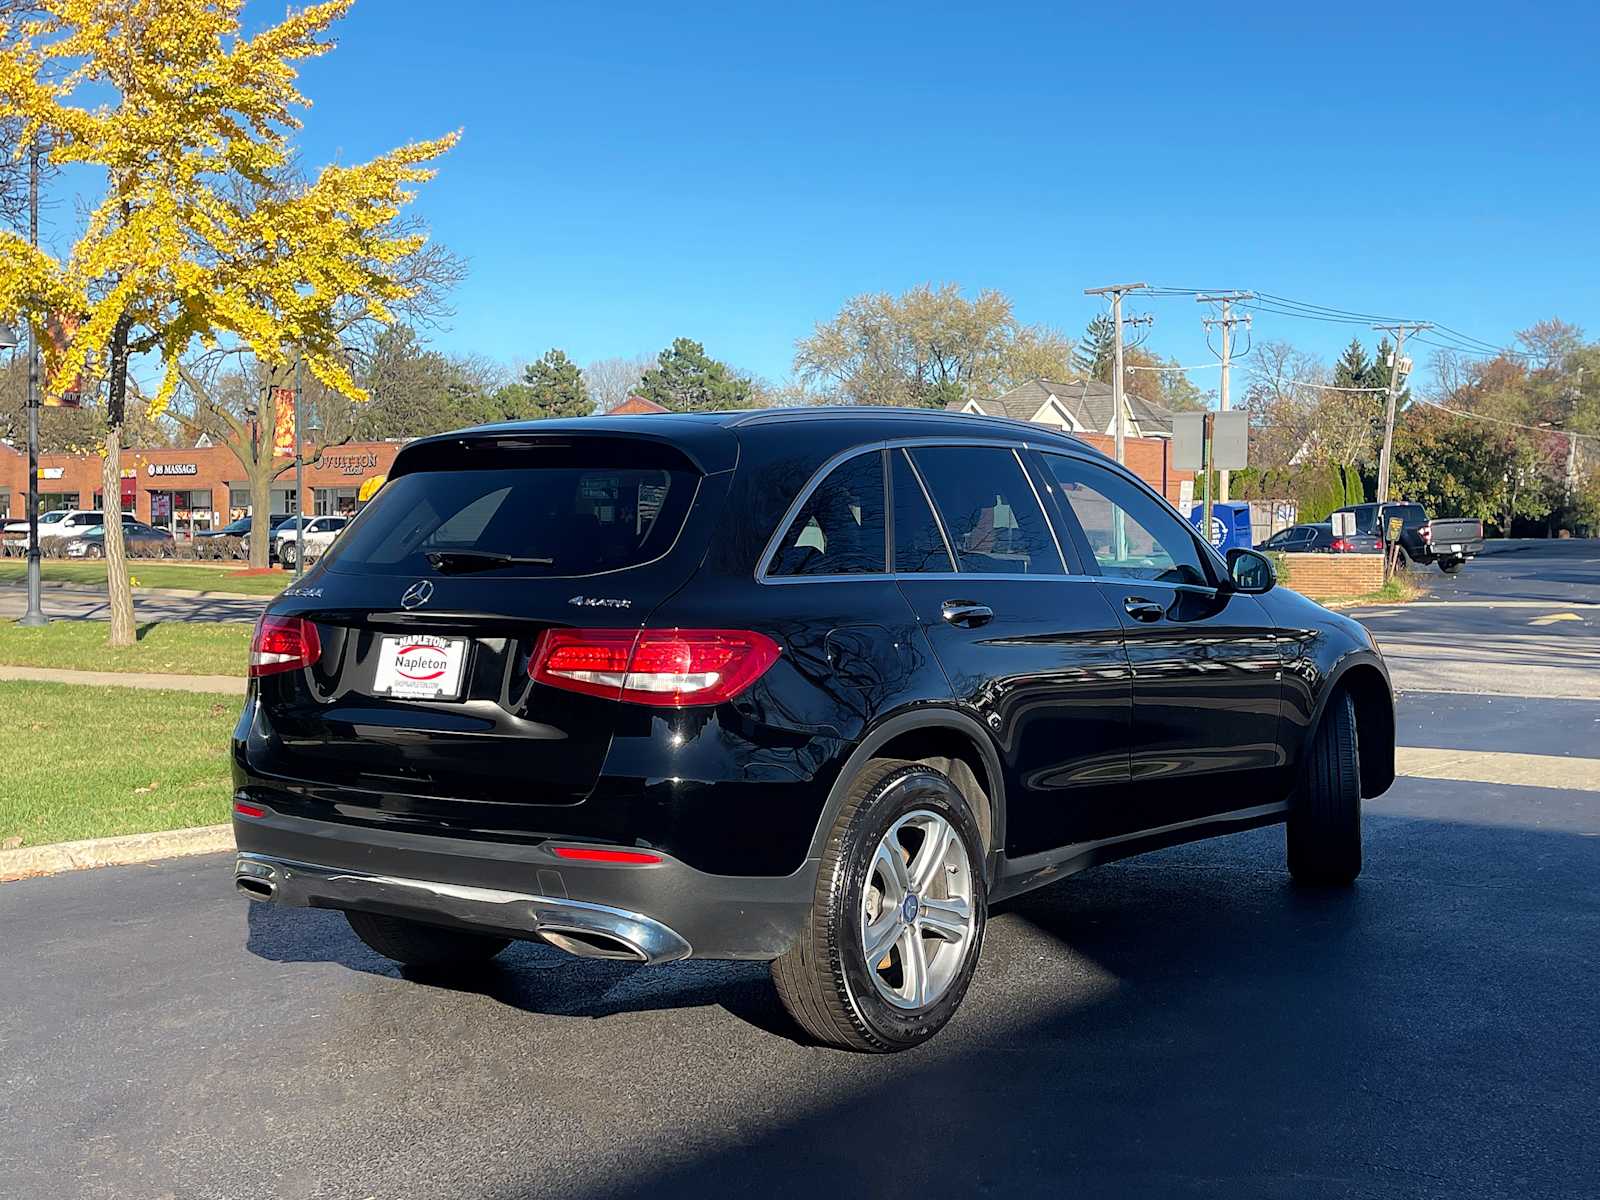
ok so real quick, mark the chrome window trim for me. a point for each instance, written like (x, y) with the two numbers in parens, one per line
(949, 576)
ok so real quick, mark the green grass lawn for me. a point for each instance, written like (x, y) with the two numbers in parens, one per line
(82, 762)
(169, 647)
(151, 574)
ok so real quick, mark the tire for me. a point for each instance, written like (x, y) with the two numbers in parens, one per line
(1452, 566)
(1324, 831)
(417, 945)
(1403, 559)
(286, 554)
(94, 552)
(826, 981)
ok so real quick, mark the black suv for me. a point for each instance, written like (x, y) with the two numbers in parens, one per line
(813, 686)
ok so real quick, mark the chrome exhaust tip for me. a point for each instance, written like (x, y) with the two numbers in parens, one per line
(258, 880)
(592, 943)
(256, 889)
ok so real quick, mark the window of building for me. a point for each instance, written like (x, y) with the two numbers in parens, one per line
(841, 529)
(334, 501)
(995, 524)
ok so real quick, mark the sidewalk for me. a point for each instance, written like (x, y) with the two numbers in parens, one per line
(232, 685)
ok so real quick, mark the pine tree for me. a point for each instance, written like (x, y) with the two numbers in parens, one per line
(1095, 357)
(1353, 368)
(556, 388)
(687, 379)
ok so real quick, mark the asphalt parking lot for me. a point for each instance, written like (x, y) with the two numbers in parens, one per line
(1181, 1024)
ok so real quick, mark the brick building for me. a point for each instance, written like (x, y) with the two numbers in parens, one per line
(199, 487)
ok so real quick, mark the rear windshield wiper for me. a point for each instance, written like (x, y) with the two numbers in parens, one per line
(453, 561)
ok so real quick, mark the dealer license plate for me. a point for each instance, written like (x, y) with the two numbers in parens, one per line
(420, 667)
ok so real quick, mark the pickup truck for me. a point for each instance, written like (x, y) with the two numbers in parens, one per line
(1448, 541)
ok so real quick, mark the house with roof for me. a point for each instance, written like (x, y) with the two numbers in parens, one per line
(1081, 406)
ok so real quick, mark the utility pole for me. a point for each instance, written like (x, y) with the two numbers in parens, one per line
(34, 616)
(1116, 291)
(1576, 394)
(1399, 332)
(1226, 323)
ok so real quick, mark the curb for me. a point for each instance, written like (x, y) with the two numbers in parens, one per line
(221, 685)
(30, 861)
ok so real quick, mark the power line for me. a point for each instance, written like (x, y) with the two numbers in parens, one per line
(1325, 387)
(1551, 429)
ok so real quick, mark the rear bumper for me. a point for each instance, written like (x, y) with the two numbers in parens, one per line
(655, 912)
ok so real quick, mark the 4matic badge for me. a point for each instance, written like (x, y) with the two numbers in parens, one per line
(599, 602)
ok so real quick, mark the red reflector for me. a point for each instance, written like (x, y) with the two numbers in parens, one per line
(669, 668)
(592, 854)
(283, 644)
(248, 810)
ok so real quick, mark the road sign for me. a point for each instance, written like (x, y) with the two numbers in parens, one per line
(1188, 440)
(1230, 440)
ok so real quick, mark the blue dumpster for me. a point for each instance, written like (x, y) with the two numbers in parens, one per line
(1230, 524)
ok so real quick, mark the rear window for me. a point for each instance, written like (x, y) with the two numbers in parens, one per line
(544, 520)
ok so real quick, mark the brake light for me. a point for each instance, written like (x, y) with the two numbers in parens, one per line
(283, 644)
(667, 668)
(1427, 534)
(1340, 545)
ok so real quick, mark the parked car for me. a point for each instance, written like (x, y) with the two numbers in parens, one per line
(814, 686)
(141, 540)
(1448, 541)
(315, 534)
(58, 523)
(241, 529)
(1318, 538)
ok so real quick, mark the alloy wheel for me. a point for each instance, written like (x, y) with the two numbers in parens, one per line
(917, 916)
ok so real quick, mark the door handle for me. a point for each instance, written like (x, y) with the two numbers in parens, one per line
(968, 614)
(1141, 609)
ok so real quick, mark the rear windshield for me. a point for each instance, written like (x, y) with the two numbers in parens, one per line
(543, 520)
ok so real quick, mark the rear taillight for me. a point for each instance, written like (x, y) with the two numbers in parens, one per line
(1340, 545)
(283, 644)
(1427, 534)
(669, 668)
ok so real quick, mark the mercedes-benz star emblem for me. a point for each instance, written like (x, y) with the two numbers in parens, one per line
(419, 592)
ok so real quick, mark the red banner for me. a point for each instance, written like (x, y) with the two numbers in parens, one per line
(59, 393)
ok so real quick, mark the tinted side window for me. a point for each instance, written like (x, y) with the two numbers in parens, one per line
(918, 544)
(995, 524)
(841, 529)
(1130, 533)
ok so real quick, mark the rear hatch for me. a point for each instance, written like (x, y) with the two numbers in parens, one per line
(430, 604)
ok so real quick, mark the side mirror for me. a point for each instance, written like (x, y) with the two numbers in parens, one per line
(1251, 571)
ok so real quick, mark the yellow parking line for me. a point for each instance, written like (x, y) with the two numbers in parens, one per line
(1501, 767)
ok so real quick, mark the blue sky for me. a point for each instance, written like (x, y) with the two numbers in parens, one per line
(630, 173)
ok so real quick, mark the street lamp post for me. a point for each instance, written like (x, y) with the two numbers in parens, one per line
(34, 616)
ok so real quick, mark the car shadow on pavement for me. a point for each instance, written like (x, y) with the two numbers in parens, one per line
(1192, 1024)
(530, 976)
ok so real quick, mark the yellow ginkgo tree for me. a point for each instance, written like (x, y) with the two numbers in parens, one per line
(188, 121)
